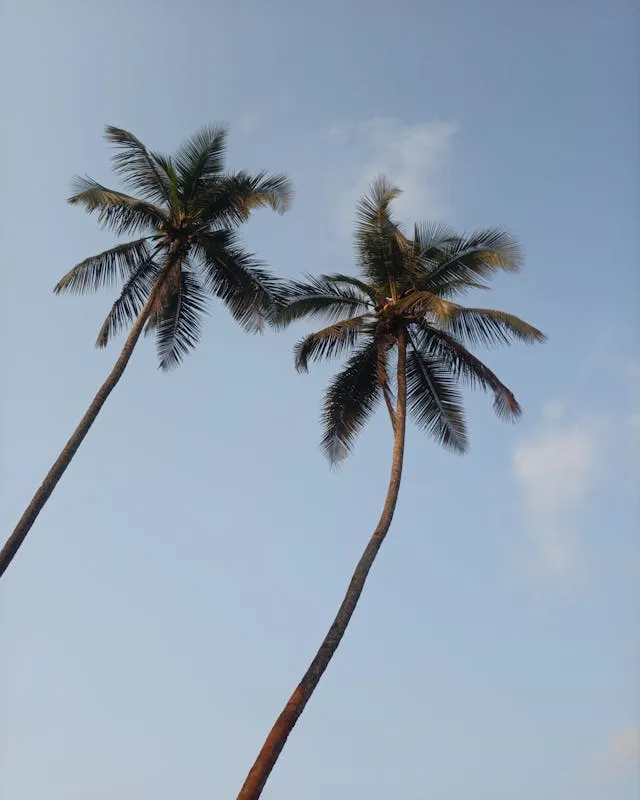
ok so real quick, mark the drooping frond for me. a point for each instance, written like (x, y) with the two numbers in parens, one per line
(380, 243)
(329, 342)
(133, 296)
(178, 321)
(249, 291)
(105, 269)
(321, 296)
(466, 367)
(140, 169)
(201, 159)
(350, 400)
(484, 326)
(116, 210)
(230, 199)
(433, 399)
(471, 258)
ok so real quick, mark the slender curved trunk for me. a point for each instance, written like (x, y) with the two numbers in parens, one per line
(13, 543)
(275, 741)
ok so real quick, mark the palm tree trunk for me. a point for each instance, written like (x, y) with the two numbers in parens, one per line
(275, 741)
(30, 515)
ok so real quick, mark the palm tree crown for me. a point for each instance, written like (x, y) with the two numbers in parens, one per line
(406, 285)
(183, 215)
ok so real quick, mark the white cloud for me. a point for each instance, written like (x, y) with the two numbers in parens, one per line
(555, 469)
(410, 155)
(624, 749)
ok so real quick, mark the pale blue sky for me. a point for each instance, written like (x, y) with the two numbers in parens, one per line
(182, 575)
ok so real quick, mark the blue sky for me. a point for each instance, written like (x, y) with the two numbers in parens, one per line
(179, 580)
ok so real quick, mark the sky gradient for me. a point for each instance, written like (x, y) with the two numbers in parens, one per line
(182, 575)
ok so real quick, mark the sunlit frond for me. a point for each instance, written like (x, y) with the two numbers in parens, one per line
(472, 258)
(484, 326)
(116, 210)
(229, 200)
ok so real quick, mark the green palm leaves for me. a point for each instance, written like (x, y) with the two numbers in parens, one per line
(405, 284)
(183, 211)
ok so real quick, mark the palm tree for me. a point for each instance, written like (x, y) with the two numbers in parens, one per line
(183, 216)
(396, 317)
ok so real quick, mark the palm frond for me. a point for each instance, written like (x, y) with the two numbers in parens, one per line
(466, 367)
(329, 342)
(132, 298)
(229, 200)
(116, 210)
(320, 297)
(433, 400)
(350, 400)
(104, 269)
(374, 293)
(472, 257)
(201, 159)
(178, 321)
(380, 243)
(375, 207)
(249, 291)
(484, 326)
(139, 170)
(166, 164)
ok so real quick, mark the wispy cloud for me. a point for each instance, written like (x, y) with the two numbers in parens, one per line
(410, 155)
(555, 469)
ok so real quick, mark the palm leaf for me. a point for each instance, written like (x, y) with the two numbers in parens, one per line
(201, 159)
(329, 342)
(466, 367)
(350, 400)
(431, 238)
(320, 296)
(228, 201)
(173, 182)
(433, 400)
(375, 294)
(472, 257)
(379, 241)
(179, 320)
(139, 169)
(248, 290)
(116, 210)
(484, 326)
(104, 269)
(133, 296)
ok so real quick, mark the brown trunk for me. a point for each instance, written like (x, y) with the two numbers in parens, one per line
(30, 515)
(275, 741)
